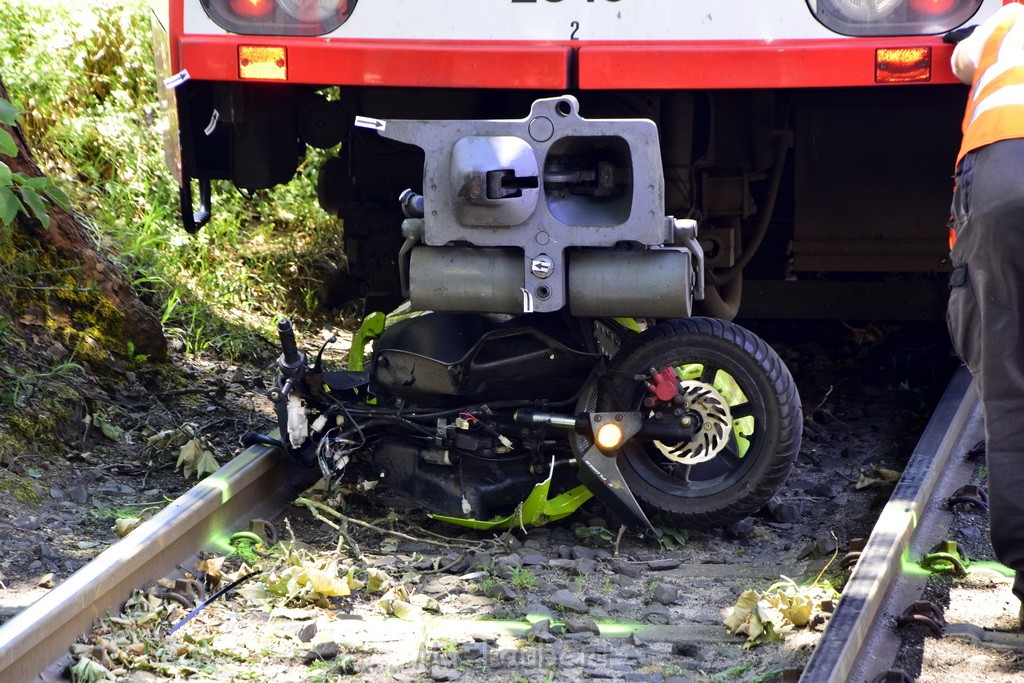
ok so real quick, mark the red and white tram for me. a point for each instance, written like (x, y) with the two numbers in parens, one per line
(811, 140)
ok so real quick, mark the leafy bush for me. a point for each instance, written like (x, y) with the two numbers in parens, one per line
(82, 73)
(19, 194)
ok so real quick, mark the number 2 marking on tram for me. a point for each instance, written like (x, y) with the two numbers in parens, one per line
(575, 28)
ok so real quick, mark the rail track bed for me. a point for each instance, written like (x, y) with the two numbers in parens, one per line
(576, 601)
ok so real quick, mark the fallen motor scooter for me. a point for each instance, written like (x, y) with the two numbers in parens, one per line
(527, 372)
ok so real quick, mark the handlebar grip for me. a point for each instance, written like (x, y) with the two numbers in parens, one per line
(290, 356)
(251, 438)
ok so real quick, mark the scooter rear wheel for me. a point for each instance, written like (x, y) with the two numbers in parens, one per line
(745, 405)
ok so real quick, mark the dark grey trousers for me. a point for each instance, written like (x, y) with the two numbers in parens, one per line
(986, 324)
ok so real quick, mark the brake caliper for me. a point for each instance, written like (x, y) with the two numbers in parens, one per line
(694, 404)
(664, 388)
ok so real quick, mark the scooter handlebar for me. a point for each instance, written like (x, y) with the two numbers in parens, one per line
(291, 358)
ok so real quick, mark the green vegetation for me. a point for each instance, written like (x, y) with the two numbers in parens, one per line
(733, 673)
(670, 538)
(329, 670)
(16, 387)
(19, 194)
(82, 75)
(521, 577)
(106, 513)
(20, 487)
(486, 584)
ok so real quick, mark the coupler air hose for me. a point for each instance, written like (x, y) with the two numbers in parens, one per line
(193, 221)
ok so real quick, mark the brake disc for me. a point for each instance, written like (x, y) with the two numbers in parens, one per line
(702, 401)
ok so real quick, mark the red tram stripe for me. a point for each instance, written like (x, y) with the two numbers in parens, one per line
(437, 64)
(600, 66)
(746, 64)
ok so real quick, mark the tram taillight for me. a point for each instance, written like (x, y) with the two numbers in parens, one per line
(252, 8)
(932, 7)
(279, 17)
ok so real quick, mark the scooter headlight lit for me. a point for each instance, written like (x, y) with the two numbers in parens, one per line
(609, 436)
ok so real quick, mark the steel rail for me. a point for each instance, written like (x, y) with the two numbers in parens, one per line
(259, 482)
(852, 636)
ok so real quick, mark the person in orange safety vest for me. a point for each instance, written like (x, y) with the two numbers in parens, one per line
(985, 313)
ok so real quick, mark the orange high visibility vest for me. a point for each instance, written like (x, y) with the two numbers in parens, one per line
(995, 107)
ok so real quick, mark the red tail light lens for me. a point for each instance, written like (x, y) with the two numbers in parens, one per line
(252, 8)
(932, 7)
(279, 17)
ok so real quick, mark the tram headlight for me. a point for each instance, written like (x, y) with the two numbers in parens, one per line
(865, 10)
(892, 17)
